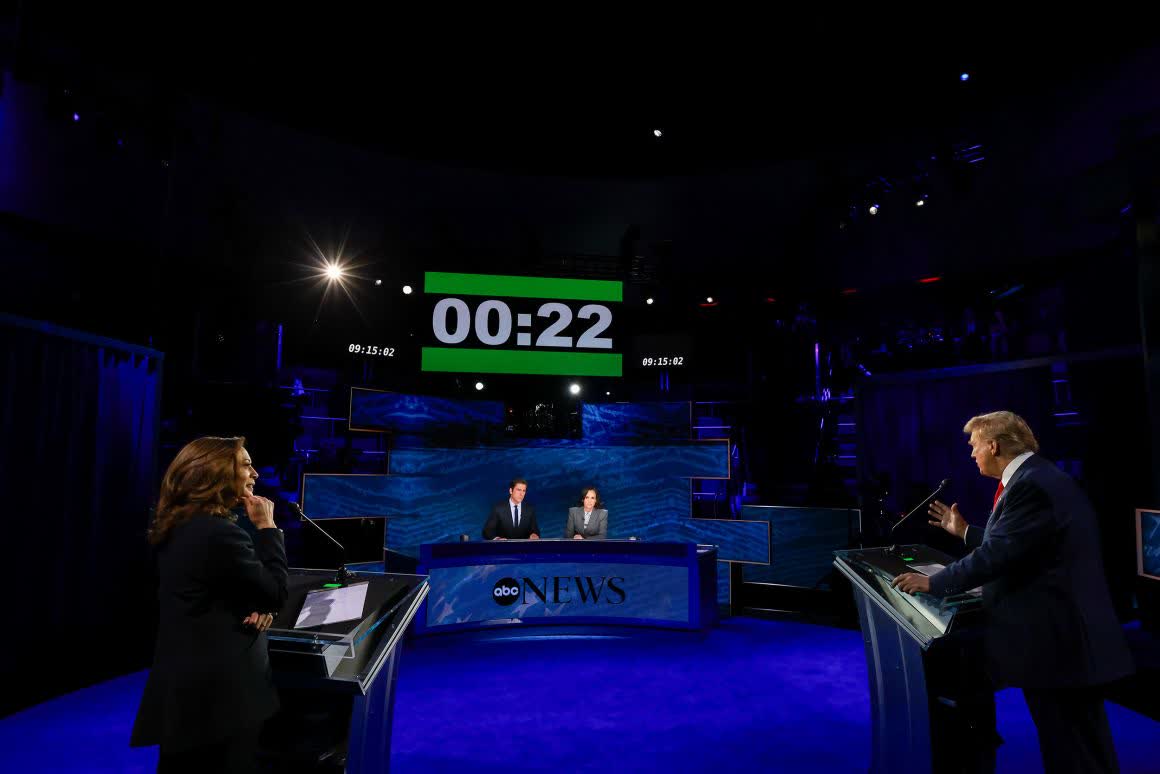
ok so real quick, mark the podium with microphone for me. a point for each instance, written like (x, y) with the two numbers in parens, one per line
(334, 650)
(931, 707)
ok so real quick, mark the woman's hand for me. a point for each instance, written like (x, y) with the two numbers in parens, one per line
(260, 510)
(260, 621)
(577, 536)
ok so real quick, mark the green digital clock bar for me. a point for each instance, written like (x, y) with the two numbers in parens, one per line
(506, 324)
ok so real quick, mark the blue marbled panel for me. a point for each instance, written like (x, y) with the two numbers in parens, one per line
(334, 496)
(642, 487)
(803, 541)
(612, 424)
(1150, 543)
(462, 595)
(723, 570)
(435, 495)
(422, 415)
(737, 541)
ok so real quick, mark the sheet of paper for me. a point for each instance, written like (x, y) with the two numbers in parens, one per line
(328, 606)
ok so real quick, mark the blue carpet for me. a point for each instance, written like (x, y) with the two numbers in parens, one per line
(771, 695)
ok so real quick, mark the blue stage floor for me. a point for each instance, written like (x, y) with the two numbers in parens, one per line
(764, 695)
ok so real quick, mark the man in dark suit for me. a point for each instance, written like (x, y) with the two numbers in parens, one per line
(1051, 629)
(512, 518)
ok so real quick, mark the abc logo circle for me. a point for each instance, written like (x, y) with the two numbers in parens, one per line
(506, 591)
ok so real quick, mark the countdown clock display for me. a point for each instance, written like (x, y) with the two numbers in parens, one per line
(504, 324)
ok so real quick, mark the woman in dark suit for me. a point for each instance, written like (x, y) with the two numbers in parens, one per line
(210, 689)
(589, 519)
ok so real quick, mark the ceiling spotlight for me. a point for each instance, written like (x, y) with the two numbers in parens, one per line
(607, 393)
(649, 301)
(407, 290)
(378, 283)
(333, 271)
(478, 386)
(873, 209)
(658, 133)
(708, 299)
(574, 388)
(76, 116)
(965, 77)
(920, 203)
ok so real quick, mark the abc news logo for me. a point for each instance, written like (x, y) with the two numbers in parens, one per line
(505, 592)
(560, 589)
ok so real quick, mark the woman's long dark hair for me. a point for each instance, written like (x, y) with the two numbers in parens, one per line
(201, 479)
(584, 493)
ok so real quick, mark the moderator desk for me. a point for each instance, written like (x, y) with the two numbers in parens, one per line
(606, 582)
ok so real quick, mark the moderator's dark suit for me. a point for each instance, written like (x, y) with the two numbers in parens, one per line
(211, 675)
(501, 524)
(1051, 627)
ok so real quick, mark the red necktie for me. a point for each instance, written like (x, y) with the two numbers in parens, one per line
(998, 492)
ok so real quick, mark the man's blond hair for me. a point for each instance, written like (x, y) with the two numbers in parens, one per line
(1009, 429)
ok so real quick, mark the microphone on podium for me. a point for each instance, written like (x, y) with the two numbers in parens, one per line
(941, 486)
(341, 575)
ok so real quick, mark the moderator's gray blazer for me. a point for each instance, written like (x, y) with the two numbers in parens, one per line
(597, 528)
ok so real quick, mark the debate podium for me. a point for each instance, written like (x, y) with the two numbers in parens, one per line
(932, 708)
(336, 681)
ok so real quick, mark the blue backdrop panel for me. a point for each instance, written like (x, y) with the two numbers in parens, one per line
(612, 424)
(803, 541)
(1150, 543)
(424, 415)
(338, 496)
(736, 541)
(723, 570)
(438, 494)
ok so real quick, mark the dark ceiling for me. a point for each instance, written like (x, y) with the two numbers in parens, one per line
(580, 94)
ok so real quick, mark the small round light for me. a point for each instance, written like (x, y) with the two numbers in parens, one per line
(708, 299)
(574, 389)
(479, 386)
(873, 209)
(407, 290)
(378, 283)
(649, 301)
(964, 77)
(333, 271)
(658, 133)
(920, 203)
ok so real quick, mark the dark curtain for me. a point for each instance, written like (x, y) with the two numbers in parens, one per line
(77, 468)
(910, 429)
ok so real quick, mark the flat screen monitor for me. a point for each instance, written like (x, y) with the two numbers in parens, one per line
(1148, 543)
